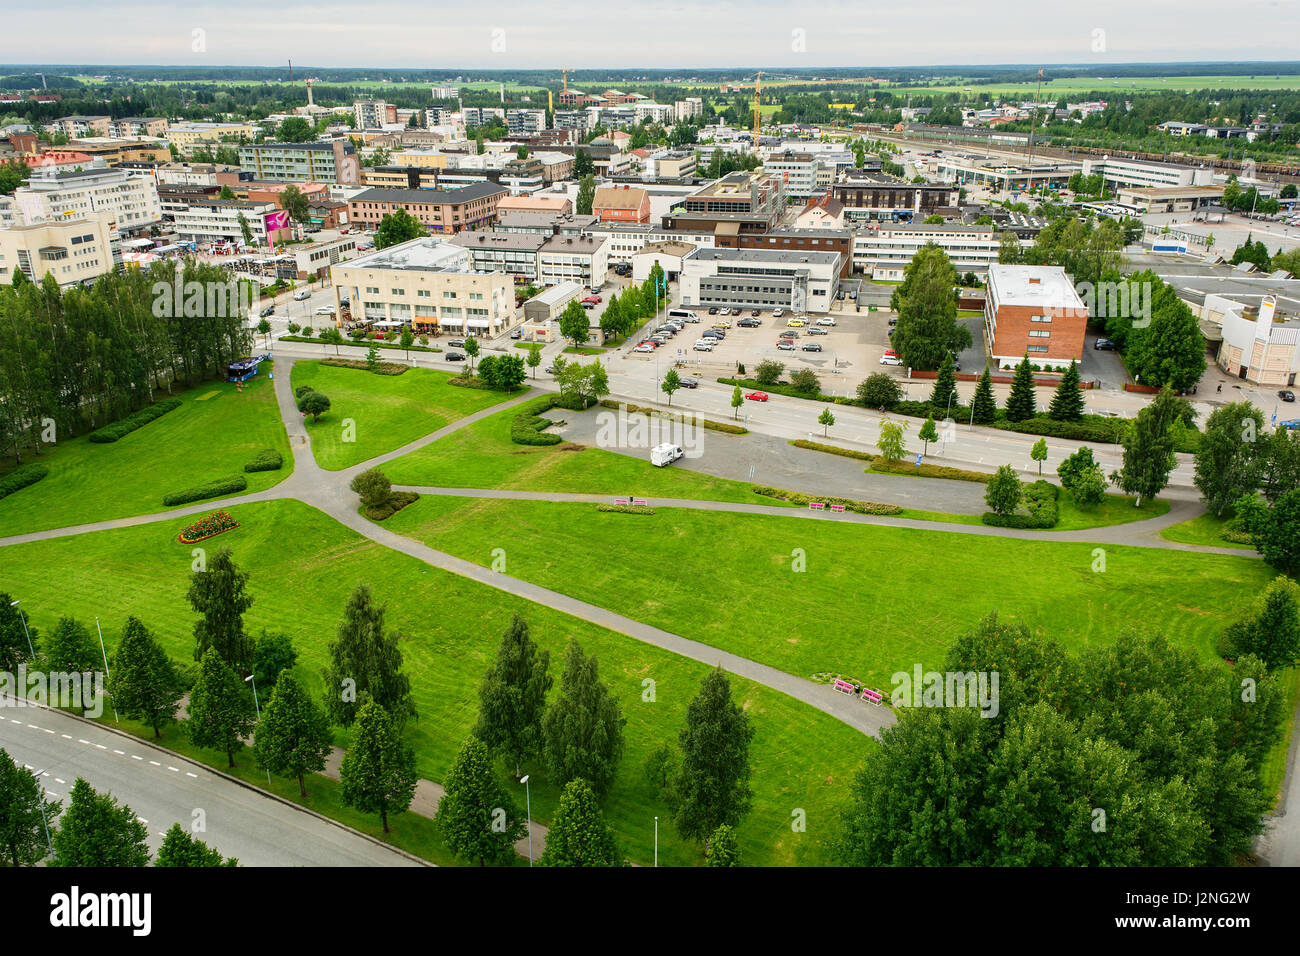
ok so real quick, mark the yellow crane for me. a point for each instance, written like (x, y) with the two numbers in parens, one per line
(564, 72)
(758, 105)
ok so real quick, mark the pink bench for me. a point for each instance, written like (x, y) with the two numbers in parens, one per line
(874, 696)
(639, 502)
(816, 506)
(837, 508)
(843, 686)
(622, 501)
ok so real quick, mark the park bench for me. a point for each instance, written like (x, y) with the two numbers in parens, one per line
(874, 696)
(640, 502)
(837, 508)
(622, 501)
(843, 686)
(816, 506)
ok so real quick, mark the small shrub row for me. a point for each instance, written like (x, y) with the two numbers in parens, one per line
(728, 428)
(799, 498)
(1237, 536)
(833, 449)
(206, 527)
(377, 343)
(213, 489)
(526, 428)
(880, 465)
(785, 388)
(627, 509)
(119, 429)
(269, 460)
(21, 477)
(383, 368)
(396, 502)
(469, 381)
(1039, 500)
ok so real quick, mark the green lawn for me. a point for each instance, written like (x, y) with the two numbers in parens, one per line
(1205, 530)
(303, 566)
(1114, 509)
(213, 434)
(482, 455)
(873, 600)
(387, 411)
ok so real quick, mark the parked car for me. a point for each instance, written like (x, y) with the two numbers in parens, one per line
(713, 310)
(817, 330)
(813, 347)
(644, 348)
(890, 360)
(785, 345)
(825, 320)
(454, 357)
(704, 345)
(1291, 423)
(777, 313)
(325, 310)
(662, 455)
(592, 300)
(269, 310)
(757, 396)
(796, 323)
(517, 334)
(689, 382)
(723, 311)
(1104, 345)
(457, 343)
(749, 323)
(754, 313)
(301, 294)
(1286, 395)
(549, 370)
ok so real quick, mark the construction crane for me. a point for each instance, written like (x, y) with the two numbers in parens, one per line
(758, 104)
(564, 72)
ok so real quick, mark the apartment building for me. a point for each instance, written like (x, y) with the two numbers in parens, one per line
(555, 205)
(575, 119)
(884, 250)
(525, 122)
(187, 137)
(333, 162)
(400, 177)
(798, 240)
(131, 201)
(582, 259)
(372, 114)
(1034, 311)
(429, 284)
(77, 127)
(626, 241)
(1258, 345)
(546, 222)
(74, 251)
(688, 108)
(678, 164)
(131, 126)
(441, 211)
(760, 279)
(514, 253)
(888, 198)
(621, 204)
(798, 171)
(739, 201)
(207, 221)
(476, 116)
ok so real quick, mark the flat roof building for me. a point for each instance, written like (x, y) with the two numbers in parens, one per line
(1034, 311)
(444, 211)
(760, 279)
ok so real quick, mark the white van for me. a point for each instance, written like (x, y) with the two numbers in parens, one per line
(662, 455)
(686, 315)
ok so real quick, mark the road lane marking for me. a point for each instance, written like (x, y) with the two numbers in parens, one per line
(119, 753)
(134, 757)
(80, 741)
(66, 736)
(174, 769)
(194, 775)
(155, 763)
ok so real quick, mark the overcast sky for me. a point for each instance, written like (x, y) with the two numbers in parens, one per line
(666, 34)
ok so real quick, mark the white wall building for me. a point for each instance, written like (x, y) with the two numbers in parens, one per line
(131, 201)
(760, 279)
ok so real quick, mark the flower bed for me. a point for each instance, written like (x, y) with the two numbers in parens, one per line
(208, 526)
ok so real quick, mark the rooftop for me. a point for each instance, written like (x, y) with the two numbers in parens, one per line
(790, 256)
(1033, 285)
(425, 253)
(480, 190)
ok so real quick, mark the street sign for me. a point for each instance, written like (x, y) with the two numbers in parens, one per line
(918, 460)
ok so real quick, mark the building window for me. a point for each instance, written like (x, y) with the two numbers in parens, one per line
(1039, 333)
(1040, 318)
(1038, 348)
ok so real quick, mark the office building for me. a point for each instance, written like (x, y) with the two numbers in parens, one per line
(1034, 311)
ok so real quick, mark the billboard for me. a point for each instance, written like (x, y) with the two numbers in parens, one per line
(279, 219)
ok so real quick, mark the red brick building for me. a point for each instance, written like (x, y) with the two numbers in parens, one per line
(1034, 311)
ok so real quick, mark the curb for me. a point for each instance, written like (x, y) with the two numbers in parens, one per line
(235, 780)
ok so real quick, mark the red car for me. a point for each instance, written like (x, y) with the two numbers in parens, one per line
(757, 396)
(591, 300)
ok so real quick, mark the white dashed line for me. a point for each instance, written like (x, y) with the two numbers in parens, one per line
(134, 757)
(59, 780)
(100, 747)
(80, 741)
(142, 819)
(47, 731)
(155, 763)
(194, 775)
(119, 753)
(174, 769)
(66, 736)
(33, 726)
(50, 793)
(12, 721)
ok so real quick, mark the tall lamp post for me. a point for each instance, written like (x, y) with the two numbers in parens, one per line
(656, 841)
(23, 618)
(40, 799)
(253, 678)
(528, 811)
(107, 675)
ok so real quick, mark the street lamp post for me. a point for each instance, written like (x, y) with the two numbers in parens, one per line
(23, 617)
(253, 678)
(40, 799)
(528, 805)
(107, 675)
(656, 841)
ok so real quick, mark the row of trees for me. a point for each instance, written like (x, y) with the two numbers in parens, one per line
(84, 357)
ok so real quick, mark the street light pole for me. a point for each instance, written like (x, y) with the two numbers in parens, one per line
(40, 799)
(528, 804)
(656, 841)
(107, 675)
(253, 678)
(23, 617)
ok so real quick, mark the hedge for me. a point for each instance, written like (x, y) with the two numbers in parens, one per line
(364, 343)
(726, 427)
(396, 502)
(880, 466)
(383, 368)
(627, 509)
(526, 428)
(269, 460)
(21, 477)
(785, 388)
(1040, 501)
(119, 429)
(213, 489)
(799, 498)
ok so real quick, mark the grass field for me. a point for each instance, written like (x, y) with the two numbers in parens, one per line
(1203, 529)
(216, 430)
(303, 566)
(482, 455)
(388, 411)
(873, 600)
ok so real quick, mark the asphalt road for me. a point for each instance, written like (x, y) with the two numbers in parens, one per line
(164, 789)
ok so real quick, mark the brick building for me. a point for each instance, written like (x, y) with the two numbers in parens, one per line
(1033, 310)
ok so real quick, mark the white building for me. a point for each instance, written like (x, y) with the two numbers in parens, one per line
(583, 259)
(71, 250)
(131, 201)
(760, 279)
(1255, 347)
(219, 220)
(525, 122)
(1139, 173)
(883, 250)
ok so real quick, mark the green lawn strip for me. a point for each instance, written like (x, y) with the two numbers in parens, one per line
(1204, 529)
(1113, 510)
(931, 586)
(302, 568)
(208, 437)
(944, 517)
(1275, 763)
(482, 455)
(584, 350)
(364, 343)
(409, 831)
(387, 411)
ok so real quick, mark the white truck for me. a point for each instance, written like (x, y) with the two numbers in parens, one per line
(662, 455)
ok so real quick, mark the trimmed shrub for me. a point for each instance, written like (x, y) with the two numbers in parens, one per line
(727, 427)
(213, 489)
(799, 498)
(395, 503)
(21, 477)
(269, 460)
(119, 429)
(832, 449)
(878, 464)
(627, 509)
(383, 368)
(1040, 501)
(526, 428)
